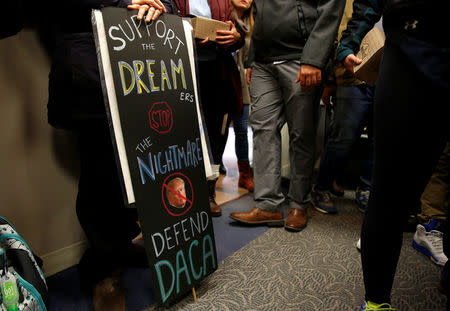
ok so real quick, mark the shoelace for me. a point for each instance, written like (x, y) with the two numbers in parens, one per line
(382, 307)
(326, 196)
(364, 195)
(436, 240)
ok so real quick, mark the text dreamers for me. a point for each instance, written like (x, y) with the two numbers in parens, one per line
(148, 75)
(132, 75)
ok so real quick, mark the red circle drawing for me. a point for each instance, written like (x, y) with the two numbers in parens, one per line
(160, 117)
(167, 188)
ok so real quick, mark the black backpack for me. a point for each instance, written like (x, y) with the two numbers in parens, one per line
(19, 270)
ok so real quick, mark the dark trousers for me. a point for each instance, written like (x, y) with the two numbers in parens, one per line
(215, 100)
(353, 105)
(240, 127)
(107, 223)
(410, 128)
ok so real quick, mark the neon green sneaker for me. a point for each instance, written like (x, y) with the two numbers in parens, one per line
(370, 306)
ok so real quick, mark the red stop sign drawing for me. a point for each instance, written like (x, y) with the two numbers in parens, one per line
(161, 117)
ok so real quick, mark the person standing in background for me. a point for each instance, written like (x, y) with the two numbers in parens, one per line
(76, 104)
(411, 126)
(428, 238)
(352, 106)
(244, 22)
(219, 83)
(291, 42)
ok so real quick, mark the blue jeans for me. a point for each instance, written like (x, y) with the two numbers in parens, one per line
(352, 105)
(240, 126)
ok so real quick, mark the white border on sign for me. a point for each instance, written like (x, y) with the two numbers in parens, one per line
(190, 46)
(117, 128)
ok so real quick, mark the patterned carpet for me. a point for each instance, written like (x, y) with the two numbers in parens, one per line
(316, 269)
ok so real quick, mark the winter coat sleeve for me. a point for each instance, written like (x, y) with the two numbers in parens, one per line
(170, 6)
(365, 14)
(320, 42)
(251, 50)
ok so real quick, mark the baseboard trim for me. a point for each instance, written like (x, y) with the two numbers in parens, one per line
(63, 258)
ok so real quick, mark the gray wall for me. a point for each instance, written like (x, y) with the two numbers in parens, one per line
(39, 164)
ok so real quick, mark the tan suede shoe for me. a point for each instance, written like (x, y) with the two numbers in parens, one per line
(296, 220)
(108, 295)
(259, 216)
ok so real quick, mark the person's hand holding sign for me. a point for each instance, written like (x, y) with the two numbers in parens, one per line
(351, 61)
(154, 8)
(228, 37)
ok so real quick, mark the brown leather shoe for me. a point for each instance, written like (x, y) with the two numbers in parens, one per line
(108, 295)
(296, 220)
(259, 216)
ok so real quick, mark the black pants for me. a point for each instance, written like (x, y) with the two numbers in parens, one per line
(410, 130)
(215, 99)
(107, 223)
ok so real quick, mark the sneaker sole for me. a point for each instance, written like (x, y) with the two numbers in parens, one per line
(426, 252)
(324, 211)
(361, 209)
(270, 223)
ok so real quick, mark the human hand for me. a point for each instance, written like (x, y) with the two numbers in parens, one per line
(309, 77)
(351, 61)
(203, 42)
(248, 75)
(154, 8)
(228, 37)
(328, 92)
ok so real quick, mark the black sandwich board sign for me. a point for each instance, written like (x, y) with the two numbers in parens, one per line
(149, 85)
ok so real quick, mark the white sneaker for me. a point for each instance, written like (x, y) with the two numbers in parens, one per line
(358, 244)
(430, 244)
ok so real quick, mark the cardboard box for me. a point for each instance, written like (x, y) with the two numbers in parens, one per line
(205, 27)
(371, 52)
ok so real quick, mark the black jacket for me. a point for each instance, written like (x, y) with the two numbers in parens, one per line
(75, 92)
(295, 29)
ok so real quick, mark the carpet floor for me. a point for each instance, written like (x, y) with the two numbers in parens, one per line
(318, 268)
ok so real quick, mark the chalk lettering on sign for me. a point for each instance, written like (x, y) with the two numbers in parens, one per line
(136, 26)
(128, 32)
(131, 76)
(165, 77)
(151, 75)
(148, 46)
(165, 161)
(150, 67)
(124, 66)
(144, 144)
(110, 33)
(132, 36)
(138, 71)
(177, 69)
(182, 270)
(168, 34)
(197, 224)
(186, 97)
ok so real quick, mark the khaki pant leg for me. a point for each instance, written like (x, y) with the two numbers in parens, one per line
(435, 198)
